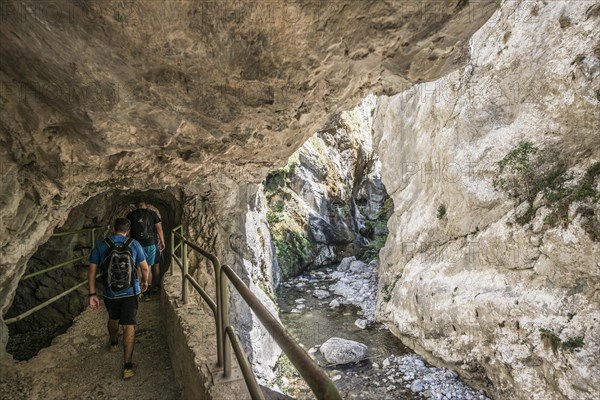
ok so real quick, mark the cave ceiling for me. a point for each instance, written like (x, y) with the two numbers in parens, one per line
(187, 89)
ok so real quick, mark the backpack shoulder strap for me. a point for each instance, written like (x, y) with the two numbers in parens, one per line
(111, 246)
(128, 242)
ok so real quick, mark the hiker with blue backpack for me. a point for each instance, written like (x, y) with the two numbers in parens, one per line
(146, 228)
(118, 259)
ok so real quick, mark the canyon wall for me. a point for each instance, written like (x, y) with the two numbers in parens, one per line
(492, 265)
(325, 204)
(111, 95)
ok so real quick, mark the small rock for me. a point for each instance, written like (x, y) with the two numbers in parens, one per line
(386, 363)
(358, 267)
(345, 264)
(321, 294)
(450, 374)
(335, 303)
(417, 386)
(362, 324)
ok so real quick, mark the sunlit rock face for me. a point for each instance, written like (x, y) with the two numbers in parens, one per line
(492, 263)
(126, 95)
(324, 203)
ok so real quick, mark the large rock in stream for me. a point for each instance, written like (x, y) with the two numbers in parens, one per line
(343, 351)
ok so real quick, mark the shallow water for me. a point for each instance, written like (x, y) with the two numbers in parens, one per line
(317, 322)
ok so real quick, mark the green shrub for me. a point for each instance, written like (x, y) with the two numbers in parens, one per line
(274, 217)
(526, 171)
(518, 170)
(274, 182)
(285, 373)
(550, 339)
(292, 249)
(371, 250)
(574, 343)
(343, 211)
(387, 209)
(441, 211)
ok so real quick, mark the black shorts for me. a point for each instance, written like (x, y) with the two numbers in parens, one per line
(123, 309)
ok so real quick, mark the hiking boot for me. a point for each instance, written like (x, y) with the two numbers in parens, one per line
(114, 347)
(128, 371)
(147, 296)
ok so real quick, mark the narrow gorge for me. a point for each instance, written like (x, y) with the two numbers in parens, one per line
(412, 189)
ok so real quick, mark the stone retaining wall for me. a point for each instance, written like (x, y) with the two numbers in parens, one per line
(192, 344)
(187, 344)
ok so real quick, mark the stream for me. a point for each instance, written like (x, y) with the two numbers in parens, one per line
(339, 301)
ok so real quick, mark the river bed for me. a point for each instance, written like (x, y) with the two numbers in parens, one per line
(390, 371)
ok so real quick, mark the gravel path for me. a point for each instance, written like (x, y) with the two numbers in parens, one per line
(78, 364)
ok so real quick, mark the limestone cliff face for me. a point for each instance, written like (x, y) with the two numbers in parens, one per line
(492, 263)
(240, 238)
(323, 202)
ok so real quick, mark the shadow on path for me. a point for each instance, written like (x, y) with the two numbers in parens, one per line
(78, 364)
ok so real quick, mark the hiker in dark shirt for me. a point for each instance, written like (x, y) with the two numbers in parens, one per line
(146, 228)
(120, 295)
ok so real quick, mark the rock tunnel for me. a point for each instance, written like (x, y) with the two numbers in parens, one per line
(484, 118)
(29, 335)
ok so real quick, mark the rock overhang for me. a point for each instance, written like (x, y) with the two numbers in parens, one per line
(126, 95)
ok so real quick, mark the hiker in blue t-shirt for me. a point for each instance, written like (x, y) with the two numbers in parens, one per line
(121, 305)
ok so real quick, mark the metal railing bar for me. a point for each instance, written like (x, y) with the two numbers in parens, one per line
(223, 294)
(184, 290)
(253, 387)
(204, 295)
(179, 262)
(67, 233)
(199, 249)
(46, 303)
(217, 268)
(314, 376)
(43, 271)
(177, 247)
(320, 384)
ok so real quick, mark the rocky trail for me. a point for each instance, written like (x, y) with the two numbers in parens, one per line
(79, 365)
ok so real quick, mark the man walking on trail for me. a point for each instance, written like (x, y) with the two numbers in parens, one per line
(119, 258)
(145, 227)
